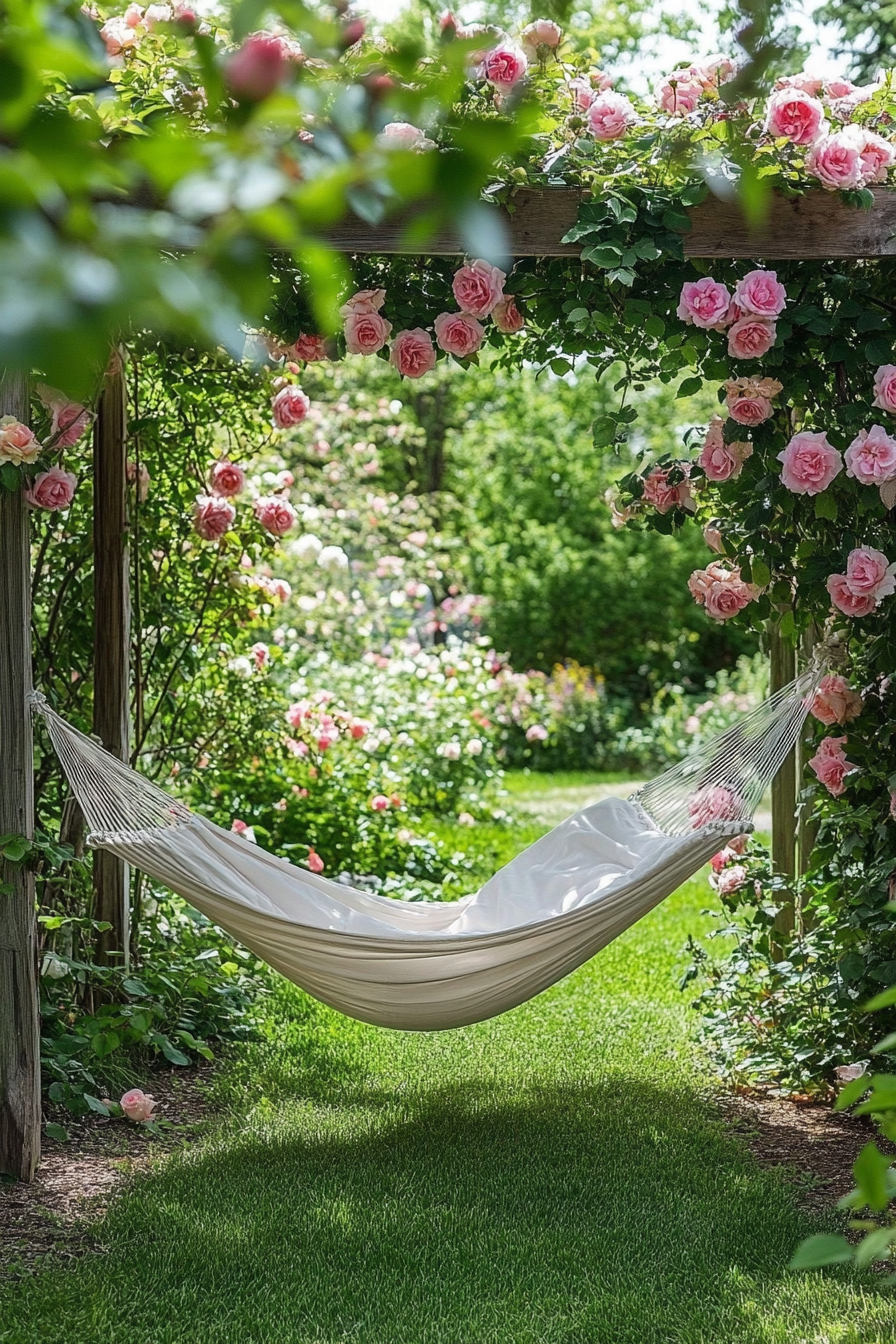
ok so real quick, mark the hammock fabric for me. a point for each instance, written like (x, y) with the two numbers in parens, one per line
(424, 966)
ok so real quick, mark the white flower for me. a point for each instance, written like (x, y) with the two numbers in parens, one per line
(306, 548)
(53, 967)
(242, 666)
(474, 747)
(450, 750)
(333, 559)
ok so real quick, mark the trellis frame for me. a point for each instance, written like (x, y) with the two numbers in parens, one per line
(815, 226)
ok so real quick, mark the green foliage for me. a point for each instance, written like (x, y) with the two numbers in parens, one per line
(105, 1028)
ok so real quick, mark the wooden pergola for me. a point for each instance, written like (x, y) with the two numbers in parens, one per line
(817, 226)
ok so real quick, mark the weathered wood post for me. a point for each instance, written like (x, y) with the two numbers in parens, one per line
(20, 1111)
(111, 635)
(782, 656)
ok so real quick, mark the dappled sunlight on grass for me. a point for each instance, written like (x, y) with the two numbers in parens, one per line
(556, 1176)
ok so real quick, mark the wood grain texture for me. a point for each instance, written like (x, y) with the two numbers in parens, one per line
(20, 1108)
(111, 635)
(815, 226)
(782, 671)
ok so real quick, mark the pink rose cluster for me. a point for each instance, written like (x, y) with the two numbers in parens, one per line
(17, 442)
(664, 493)
(321, 727)
(748, 314)
(720, 590)
(749, 400)
(679, 92)
(869, 578)
(852, 158)
(835, 701)
(830, 765)
(478, 288)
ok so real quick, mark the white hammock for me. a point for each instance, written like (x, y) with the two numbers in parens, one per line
(424, 966)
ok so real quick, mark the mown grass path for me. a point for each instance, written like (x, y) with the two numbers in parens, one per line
(557, 1176)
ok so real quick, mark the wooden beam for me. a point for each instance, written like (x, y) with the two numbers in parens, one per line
(784, 825)
(816, 226)
(111, 636)
(20, 1110)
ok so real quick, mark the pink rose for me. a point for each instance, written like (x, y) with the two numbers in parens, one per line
(379, 802)
(478, 288)
(118, 35)
(679, 93)
(261, 653)
(315, 862)
(714, 802)
(290, 406)
(228, 479)
(69, 423)
(750, 338)
(52, 490)
(884, 388)
(762, 294)
(846, 601)
(537, 733)
(610, 116)
(254, 72)
(810, 84)
(366, 333)
(722, 461)
(893, 804)
(869, 573)
(133, 16)
(17, 442)
(713, 71)
(731, 879)
(747, 410)
(213, 516)
(279, 589)
(838, 88)
(504, 66)
(600, 81)
(703, 302)
(458, 334)
(540, 37)
(713, 538)
(137, 1106)
(365, 301)
(275, 514)
(413, 353)
(506, 316)
(582, 93)
(877, 155)
(836, 162)
(359, 728)
(794, 115)
(309, 348)
(809, 463)
(871, 457)
(662, 495)
(403, 135)
(835, 701)
(831, 766)
(726, 598)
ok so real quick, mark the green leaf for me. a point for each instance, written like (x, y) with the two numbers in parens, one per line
(54, 1131)
(689, 386)
(870, 1172)
(655, 326)
(825, 1249)
(95, 1104)
(826, 507)
(885, 999)
(603, 431)
(787, 625)
(876, 1246)
(104, 1042)
(760, 571)
(605, 254)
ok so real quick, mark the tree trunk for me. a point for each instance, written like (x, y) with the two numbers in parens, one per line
(20, 1110)
(111, 636)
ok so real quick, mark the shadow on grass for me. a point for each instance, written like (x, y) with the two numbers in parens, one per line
(609, 1213)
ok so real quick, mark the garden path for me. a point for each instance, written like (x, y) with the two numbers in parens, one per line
(560, 1175)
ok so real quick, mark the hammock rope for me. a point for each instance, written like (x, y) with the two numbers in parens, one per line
(434, 965)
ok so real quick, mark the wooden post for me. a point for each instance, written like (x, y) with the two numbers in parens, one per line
(782, 671)
(20, 1110)
(111, 636)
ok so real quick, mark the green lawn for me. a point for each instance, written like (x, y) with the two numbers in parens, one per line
(556, 1176)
